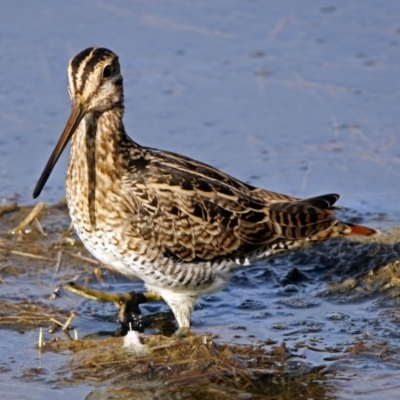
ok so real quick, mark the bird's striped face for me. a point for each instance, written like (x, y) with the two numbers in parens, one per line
(94, 77)
(95, 86)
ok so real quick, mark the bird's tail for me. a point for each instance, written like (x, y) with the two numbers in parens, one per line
(359, 230)
(341, 229)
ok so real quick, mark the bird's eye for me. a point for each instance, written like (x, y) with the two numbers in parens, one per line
(107, 71)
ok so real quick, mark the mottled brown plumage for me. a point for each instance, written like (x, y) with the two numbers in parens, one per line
(178, 224)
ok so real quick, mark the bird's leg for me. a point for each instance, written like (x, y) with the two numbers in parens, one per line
(127, 303)
(182, 306)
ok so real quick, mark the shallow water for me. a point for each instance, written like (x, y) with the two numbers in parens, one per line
(24, 373)
(297, 97)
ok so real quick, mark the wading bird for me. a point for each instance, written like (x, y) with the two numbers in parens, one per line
(178, 224)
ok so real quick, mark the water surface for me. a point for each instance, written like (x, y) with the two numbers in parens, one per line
(296, 97)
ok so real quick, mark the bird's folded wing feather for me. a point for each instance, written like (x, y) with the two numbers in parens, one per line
(194, 212)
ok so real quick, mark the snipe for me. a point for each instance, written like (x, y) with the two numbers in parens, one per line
(176, 223)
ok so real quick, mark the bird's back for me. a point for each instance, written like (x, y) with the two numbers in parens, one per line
(194, 213)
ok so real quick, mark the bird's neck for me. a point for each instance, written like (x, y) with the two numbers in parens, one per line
(98, 157)
(100, 142)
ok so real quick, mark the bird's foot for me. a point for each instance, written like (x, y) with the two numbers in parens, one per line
(127, 303)
(182, 333)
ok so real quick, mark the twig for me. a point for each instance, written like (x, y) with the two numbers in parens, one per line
(97, 274)
(57, 267)
(83, 258)
(39, 227)
(32, 215)
(40, 341)
(8, 208)
(69, 321)
(56, 322)
(22, 254)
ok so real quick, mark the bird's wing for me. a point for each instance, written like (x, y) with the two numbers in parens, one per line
(194, 212)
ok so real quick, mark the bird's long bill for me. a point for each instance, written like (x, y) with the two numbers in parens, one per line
(77, 113)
